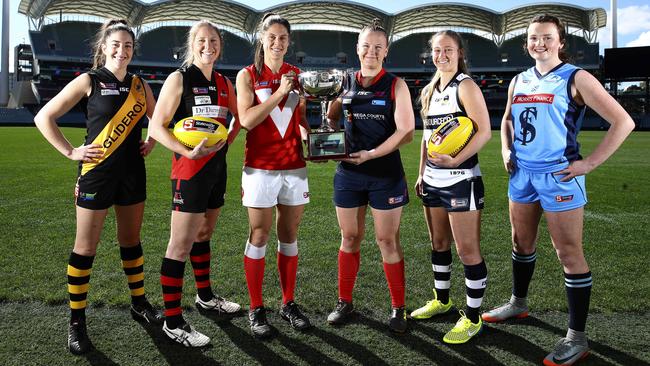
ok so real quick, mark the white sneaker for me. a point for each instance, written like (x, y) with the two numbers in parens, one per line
(186, 335)
(217, 304)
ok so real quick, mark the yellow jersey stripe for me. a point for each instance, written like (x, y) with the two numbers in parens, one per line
(121, 124)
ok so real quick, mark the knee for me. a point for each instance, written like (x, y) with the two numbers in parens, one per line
(571, 259)
(469, 256)
(178, 251)
(523, 246)
(204, 234)
(258, 236)
(441, 244)
(388, 245)
(351, 240)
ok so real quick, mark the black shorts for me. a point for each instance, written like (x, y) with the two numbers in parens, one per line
(97, 190)
(466, 195)
(353, 189)
(205, 190)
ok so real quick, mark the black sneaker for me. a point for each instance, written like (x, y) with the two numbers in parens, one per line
(260, 327)
(145, 312)
(78, 342)
(341, 313)
(291, 313)
(397, 321)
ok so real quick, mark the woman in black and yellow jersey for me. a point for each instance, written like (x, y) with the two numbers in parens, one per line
(111, 169)
(198, 178)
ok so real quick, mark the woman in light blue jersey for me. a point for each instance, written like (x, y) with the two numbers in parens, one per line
(539, 148)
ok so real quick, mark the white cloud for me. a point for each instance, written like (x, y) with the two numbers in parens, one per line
(633, 19)
(642, 40)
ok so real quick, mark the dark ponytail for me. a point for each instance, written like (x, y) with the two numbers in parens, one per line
(109, 27)
(267, 21)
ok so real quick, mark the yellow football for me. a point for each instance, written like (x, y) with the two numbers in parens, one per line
(191, 130)
(451, 137)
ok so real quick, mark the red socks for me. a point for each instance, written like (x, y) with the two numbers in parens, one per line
(348, 268)
(396, 282)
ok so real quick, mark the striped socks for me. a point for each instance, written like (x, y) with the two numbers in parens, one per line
(133, 266)
(578, 291)
(79, 268)
(441, 263)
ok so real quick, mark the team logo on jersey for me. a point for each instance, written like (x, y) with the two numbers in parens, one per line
(262, 83)
(107, 85)
(212, 88)
(560, 198)
(124, 89)
(223, 93)
(442, 100)
(202, 99)
(281, 117)
(378, 102)
(528, 131)
(305, 194)
(553, 79)
(533, 98)
(364, 92)
(199, 90)
(178, 199)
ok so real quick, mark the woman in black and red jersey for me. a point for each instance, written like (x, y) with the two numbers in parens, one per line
(198, 178)
(111, 169)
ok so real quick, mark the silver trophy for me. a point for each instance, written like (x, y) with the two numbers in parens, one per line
(324, 143)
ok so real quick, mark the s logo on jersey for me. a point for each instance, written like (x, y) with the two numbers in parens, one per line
(526, 119)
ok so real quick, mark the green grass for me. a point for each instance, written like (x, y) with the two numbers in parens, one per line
(37, 233)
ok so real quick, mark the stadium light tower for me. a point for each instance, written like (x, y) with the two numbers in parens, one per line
(4, 62)
(613, 33)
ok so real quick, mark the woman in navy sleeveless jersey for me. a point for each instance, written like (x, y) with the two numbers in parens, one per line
(111, 169)
(451, 188)
(378, 117)
(198, 178)
(539, 148)
(274, 178)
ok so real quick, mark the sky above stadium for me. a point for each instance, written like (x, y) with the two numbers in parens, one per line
(633, 16)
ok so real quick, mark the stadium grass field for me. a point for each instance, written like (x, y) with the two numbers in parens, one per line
(37, 233)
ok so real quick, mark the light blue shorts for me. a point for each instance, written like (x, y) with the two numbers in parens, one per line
(528, 187)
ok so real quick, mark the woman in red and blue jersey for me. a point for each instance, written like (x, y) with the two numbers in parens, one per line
(378, 117)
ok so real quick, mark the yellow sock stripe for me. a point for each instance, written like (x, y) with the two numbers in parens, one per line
(135, 277)
(137, 291)
(78, 304)
(76, 272)
(78, 289)
(133, 262)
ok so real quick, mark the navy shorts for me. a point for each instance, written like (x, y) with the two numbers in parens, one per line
(205, 190)
(352, 189)
(466, 195)
(97, 190)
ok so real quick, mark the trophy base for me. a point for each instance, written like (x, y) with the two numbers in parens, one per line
(326, 145)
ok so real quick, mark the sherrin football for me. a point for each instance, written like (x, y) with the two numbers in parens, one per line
(191, 130)
(451, 137)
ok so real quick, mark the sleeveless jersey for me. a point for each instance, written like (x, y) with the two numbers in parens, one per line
(114, 112)
(368, 114)
(446, 105)
(274, 144)
(206, 98)
(546, 119)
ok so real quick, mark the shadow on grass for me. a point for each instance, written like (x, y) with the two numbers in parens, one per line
(174, 353)
(97, 357)
(355, 350)
(256, 349)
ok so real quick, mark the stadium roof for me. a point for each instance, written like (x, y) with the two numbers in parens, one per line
(340, 14)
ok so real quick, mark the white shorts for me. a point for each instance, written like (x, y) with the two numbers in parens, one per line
(267, 188)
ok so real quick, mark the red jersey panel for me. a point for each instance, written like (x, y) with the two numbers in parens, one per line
(274, 144)
(206, 98)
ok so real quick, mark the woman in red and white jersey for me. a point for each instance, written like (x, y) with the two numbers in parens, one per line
(275, 175)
